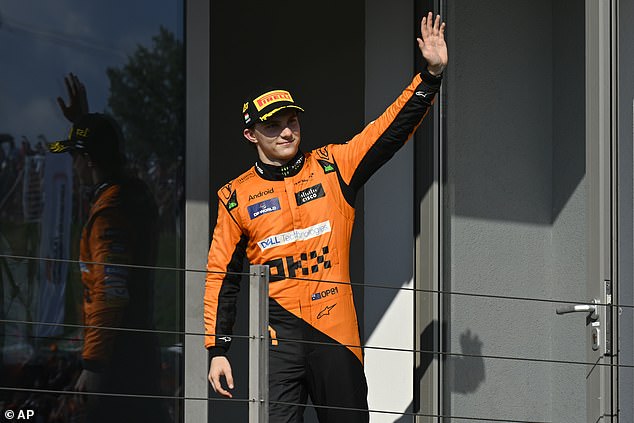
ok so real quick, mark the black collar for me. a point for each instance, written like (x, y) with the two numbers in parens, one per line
(278, 173)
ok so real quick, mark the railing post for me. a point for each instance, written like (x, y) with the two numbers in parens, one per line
(259, 344)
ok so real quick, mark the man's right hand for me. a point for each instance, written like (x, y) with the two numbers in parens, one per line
(78, 99)
(220, 366)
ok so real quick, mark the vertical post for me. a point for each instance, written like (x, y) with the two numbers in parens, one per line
(259, 344)
(197, 189)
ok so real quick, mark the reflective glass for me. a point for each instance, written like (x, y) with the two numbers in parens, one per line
(83, 306)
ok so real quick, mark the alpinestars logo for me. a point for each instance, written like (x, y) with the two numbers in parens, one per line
(326, 311)
(309, 194)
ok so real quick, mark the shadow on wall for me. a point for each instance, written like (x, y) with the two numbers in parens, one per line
(466, 372)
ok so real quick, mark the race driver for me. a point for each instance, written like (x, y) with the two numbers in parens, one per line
(294, 212)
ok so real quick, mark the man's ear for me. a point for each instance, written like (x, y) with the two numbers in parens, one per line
(249, 135)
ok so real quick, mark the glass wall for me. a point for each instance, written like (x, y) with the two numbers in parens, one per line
(87, 248)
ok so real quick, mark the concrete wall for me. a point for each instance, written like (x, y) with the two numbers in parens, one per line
(515, 207)
(388, 215)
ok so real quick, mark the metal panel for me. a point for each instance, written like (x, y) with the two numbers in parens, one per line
(196, 204)
(428, 329)
(259, 344)
(600, 156)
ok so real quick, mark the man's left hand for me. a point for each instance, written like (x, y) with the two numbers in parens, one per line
(432, 43)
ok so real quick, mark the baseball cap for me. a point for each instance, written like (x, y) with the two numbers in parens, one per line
(260, 107)
(94, 133)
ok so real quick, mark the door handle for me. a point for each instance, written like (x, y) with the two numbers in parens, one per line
(580, 308)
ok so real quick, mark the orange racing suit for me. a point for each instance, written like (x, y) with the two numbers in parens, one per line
(121, 230)
(298, 219)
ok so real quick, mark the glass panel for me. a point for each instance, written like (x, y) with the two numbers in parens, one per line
(515, 210)
(127, 213)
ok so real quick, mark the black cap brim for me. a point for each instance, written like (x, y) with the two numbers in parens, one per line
(279, 109)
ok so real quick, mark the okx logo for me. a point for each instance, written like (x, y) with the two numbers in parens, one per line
(291, 267)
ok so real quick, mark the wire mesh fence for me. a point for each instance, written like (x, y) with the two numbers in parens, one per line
(255, 400)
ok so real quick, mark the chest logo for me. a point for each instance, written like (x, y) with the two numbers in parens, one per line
(261, 194)
(264, 207)
(295, 235)
(309, 194)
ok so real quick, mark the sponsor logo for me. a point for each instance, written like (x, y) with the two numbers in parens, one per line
(225, 339)
(113, 292)
(271, 97)
(303, 181)
(226, 191)
(115, 281)
(423, 94)
(233, 201)
(323, 153)
(246, 177)
(295, 235)
(82, 132)
(309, 194)
(116, 271)
(245, 107)
(112, 234)
(83, 267)
(326, 311)
(288, 169)
(264, 207)
(327, 166)
(289, 266)
(247, 118)
(259, 169)
(323, 294)
(261, 194)
(116, 248)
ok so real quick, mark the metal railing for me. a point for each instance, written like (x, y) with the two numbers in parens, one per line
(259, 340)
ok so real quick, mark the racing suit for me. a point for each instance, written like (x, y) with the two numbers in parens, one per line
(121, 230)
(298, 219)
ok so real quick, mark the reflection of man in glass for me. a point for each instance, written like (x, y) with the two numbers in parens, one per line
(121, 229)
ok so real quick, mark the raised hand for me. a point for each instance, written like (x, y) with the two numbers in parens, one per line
(432, 43)
(78, 100)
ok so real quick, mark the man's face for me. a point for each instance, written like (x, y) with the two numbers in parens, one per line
(277, 139)
(81, 166)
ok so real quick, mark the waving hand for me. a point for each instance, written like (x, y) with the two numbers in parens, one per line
(432, 43)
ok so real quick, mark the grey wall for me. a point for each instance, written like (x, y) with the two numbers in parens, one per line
(515, 207)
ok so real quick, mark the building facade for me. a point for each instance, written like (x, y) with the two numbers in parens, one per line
(511, 205)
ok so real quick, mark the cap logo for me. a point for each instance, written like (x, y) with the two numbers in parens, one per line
(271, 97)
(245, 107)
(82, 132)
(56, 147)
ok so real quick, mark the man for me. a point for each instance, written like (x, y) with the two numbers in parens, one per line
(294, 212)
(121, 230)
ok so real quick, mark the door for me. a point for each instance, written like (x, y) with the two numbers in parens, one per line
(527, 198)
